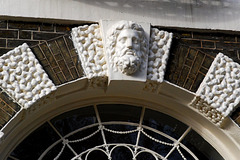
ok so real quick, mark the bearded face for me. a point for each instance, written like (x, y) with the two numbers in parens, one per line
(127, 53)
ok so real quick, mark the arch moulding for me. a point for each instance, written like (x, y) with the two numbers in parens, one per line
(169, 99)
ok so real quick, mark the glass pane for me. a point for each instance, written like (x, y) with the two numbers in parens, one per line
(75, 119)
(186, 154)
(176, 155)
(164, 123)
(97, 155)
(201, 148)
(53, 153)
(160, 148)
(120, 153)
(145, 156)
(119, 112)
(36, 143)
(88, 143)
(121, 138)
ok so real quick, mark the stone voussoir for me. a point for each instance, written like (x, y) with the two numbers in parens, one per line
(219, 92)
(22, 77)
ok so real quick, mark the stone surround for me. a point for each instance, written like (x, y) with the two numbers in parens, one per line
(191, 54)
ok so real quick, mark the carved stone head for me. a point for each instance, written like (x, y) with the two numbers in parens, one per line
(127, 47)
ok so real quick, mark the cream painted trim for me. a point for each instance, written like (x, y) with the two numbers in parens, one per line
(170, 100)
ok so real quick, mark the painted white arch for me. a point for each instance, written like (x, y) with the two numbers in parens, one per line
(170, 100)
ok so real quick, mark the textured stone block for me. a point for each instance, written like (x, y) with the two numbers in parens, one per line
(22, 77)
(88, 42)
(160, 42)
(220, 90)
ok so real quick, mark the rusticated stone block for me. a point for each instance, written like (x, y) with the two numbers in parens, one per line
(220, 88)
(88, 42)
(219, 92)
(160, 42)
(22, 77)
(204, 108)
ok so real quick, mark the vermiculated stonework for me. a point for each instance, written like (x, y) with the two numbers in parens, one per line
(88, 42)
(121, 50)
(160, 42)
(22, 77)
(220, 88)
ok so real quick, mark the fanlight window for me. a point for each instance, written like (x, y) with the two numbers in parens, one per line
(114, 132)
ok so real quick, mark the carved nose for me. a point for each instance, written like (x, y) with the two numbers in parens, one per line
(129, 43)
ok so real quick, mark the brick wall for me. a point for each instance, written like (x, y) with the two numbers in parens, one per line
(15, 33)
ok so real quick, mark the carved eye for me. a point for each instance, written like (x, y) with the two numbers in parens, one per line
(123, 39)
(135, 40)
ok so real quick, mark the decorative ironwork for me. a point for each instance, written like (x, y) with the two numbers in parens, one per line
(108, 148)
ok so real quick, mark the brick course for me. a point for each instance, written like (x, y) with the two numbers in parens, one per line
(14, 33)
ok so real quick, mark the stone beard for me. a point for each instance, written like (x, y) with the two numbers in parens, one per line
(127, 47)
